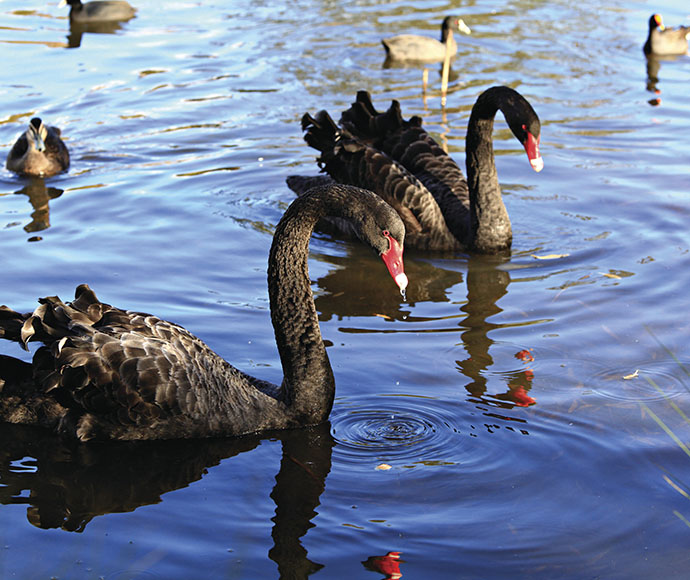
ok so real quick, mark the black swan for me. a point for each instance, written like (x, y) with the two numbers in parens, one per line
(663, 41)
(106, 373)
(400, 161)
(98, 10)
(416, 48)
(38, 151)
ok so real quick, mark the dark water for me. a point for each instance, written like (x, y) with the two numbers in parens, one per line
(183, 125)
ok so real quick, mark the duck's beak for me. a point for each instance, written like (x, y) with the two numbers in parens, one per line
(394, 262)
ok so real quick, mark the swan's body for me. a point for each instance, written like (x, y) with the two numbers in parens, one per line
(417, 48)
(662, 41)
(400, 161)
(107, 373)
(38, 151)
(98, 11)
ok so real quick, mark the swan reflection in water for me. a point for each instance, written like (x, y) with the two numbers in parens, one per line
(487, 283)
(66, 485)
(345, 293)
(40, 197)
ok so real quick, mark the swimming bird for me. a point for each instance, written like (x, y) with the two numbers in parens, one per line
(402, 163)
(663, 41)
(108, 373)
(38, 151)
(417, 48)
(98, 10)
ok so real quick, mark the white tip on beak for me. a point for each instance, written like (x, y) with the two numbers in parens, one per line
(537, 164)
(401, 281)
(462, 27)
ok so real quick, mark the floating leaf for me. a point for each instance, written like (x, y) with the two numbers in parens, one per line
(549, 256)
(631, 376)
(383, 467)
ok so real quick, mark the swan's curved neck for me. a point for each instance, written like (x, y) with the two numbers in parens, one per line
(308, 385)
(490, 224)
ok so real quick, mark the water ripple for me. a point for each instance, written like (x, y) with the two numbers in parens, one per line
(402, 430)
(649, 381)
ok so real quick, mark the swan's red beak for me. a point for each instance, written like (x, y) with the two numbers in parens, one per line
(532, 150)
(394, 262)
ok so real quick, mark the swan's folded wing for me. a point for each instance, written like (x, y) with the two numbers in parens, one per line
(406, 142)
(351, 161)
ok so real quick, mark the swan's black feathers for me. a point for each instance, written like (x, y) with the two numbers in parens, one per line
(120, 373)
(350, 160)
(403, 164)
(108, 373)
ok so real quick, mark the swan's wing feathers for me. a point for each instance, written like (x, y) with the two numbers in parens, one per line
(320, 131)
(407, 143)
(350, 160)
(364, 122)
(424, 157)
(112, 368)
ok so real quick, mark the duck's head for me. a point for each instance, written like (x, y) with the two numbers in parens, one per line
(37, 133)
(655, 21)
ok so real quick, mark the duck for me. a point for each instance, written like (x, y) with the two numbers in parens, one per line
(107, 373)
(98, 11)
(39, 151)
(417, 48)
(401, 162)
(662, 41)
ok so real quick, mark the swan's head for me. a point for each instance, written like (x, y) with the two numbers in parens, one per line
(380, 226)
(521, 118)
(527, 128)
(394, 261)
(36, 134)
(531, 145)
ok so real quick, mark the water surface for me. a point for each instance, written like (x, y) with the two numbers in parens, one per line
(183, 124)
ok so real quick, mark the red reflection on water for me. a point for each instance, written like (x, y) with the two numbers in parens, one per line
(388, 565)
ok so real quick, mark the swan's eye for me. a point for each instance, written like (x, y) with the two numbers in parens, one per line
(386, 234)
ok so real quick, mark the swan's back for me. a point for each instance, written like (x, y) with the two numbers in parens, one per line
(108, 373)
(408, 143)
(350, 160)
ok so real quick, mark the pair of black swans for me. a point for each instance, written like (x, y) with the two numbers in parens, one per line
(107, 373)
